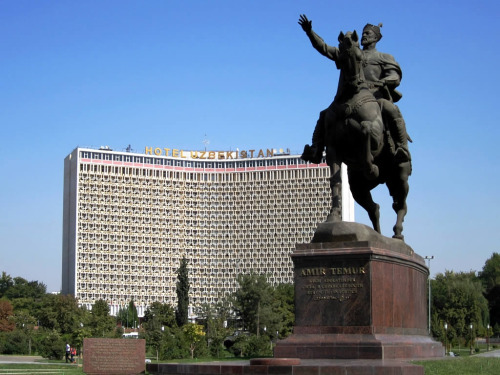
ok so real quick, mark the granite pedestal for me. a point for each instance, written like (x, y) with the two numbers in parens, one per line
(358, 295)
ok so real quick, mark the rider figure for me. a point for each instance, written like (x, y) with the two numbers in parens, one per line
(382, 74)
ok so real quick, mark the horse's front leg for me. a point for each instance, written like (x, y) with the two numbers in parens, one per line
(335, 214)
(371, 170)
(401, 210)
(399, 188)
(360, 190)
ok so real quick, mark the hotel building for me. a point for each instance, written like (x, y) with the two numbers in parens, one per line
(129, 218)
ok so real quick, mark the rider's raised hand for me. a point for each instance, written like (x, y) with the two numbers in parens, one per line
(305, 23)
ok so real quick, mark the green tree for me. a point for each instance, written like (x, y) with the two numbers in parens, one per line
(214, 319)
(490, 277)
(25, 322)
(127, 316)
(157, 318)
(52, 346)
(5, 283)
(159, 315)
(67, 313)
(15, 342)
(23, 288)
(46, 312)
(284, 309)
(194, 334)
(253, 302)
(457, 299)
(174, 344)
(100, 322)
(182, 290)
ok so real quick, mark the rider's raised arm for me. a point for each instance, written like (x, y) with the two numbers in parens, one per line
(317, 42)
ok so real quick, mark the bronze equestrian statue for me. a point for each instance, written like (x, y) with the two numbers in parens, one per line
(363, 128)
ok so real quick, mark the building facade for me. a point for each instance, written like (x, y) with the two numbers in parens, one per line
(130, 218)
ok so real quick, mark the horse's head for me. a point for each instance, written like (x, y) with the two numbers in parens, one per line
(349, 61)
(349, 44)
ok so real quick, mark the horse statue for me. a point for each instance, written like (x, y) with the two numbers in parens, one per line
(356, 134)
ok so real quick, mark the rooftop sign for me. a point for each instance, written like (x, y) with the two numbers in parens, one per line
(213, 155)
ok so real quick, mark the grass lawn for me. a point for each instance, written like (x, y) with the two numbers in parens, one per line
(32, 368)
(462, 366)
(447, 366)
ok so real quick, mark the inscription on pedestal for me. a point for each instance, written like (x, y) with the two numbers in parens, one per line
(335, 294)
(114, 356)
(336, 283)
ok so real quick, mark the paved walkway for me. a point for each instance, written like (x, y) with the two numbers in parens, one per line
(27, 359)
(491, 353)
(20, 358)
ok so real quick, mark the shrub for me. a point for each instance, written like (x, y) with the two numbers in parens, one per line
(52, 346)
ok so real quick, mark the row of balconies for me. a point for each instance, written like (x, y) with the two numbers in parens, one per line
(199, 255)
(164, 227)
(202, 237)
(174, 237)
(272, 207)
(216, 252)
(166, 287)
(181, 218)
(116, 203)
(93, 243)
(207, 265)
(224, 220)
(168, 191)
(179, 213)
(107, 232)
(168, 177)
(130, 188)
(200, 263)
(250, 179)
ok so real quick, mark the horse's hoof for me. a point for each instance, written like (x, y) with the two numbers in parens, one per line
(399, 237)
(333, 217)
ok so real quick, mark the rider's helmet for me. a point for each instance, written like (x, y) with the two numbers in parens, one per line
(375, 29)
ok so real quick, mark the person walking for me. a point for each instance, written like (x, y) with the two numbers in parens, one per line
(68, 352)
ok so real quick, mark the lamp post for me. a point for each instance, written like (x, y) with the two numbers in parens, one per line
(488, 338)
(445, 338)
(429, 258)
(471, 351)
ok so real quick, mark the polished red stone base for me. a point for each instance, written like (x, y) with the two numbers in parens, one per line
(306, 367)
(334, 346)
(358, 295)
(275, 361)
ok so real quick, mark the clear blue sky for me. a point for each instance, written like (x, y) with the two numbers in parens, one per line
(165, 73)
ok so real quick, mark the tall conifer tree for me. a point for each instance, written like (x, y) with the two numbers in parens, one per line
(182, 290)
